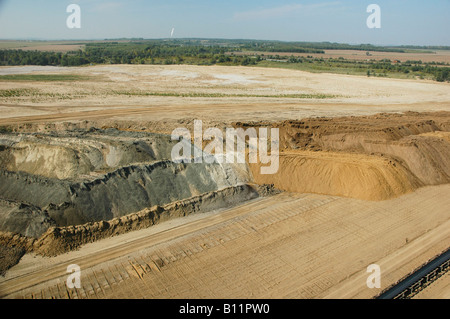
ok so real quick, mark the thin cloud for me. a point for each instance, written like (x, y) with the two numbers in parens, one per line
(278, 12)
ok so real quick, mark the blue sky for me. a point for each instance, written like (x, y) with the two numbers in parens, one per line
(402, 21)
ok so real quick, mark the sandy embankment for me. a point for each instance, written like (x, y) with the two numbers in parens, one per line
(372, 158)
(111, 173)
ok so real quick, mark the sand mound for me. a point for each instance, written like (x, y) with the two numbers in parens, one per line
(348, 133)
(349, 175)
(9, 256)
(426, 157)
(371, 157)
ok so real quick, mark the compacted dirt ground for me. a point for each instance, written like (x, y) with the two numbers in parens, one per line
(286, 246)
(363, 179)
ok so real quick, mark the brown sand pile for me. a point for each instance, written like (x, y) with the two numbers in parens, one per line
(350, 175)
(427, 157)
(9, 256)
(371, 157)
(349, 133)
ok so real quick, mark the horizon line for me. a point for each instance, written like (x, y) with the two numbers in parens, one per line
(228, 39)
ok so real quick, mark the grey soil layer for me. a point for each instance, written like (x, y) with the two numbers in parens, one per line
(75, 177)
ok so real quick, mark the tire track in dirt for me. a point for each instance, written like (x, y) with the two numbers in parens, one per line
(15, 284)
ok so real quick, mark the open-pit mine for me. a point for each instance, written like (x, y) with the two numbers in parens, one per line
(87, 178)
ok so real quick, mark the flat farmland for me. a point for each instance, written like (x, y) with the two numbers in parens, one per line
(442, 56)
(50, 46)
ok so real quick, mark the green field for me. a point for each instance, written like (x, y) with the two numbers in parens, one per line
(44, 77)
(349, 69)
(221, 95)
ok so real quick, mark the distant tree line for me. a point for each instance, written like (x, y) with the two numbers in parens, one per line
(126, 53)
(385, 66)
(20, 57)
(318, 47)
(208, 52)
(425, 47)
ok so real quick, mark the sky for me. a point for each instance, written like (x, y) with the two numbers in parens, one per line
(403, 22)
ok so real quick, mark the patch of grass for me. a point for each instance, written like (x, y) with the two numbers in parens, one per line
(44, 77)
(17, 93)
(222, 95)
(5, 129)
(313, 67)
(349, 68)
(419, 51)
(32, 93)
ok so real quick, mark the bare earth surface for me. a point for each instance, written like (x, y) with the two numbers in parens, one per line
(118, 92)
(440, 289)
(263, 249)
(360, 187)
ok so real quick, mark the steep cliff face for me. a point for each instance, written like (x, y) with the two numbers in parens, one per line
(71, 154)
(75, 177)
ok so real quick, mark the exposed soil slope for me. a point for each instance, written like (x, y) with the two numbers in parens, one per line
(350, 175)
(79, 176)
(371, 157)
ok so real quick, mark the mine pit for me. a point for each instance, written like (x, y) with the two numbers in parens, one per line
(87, 178)
(64, 188)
